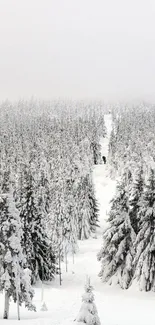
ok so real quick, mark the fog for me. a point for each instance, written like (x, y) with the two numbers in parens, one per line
(102, 49)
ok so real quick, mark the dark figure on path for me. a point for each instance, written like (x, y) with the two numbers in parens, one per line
(104, 159)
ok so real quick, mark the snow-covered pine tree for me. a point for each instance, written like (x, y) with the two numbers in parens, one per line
(135, 194)
(88, 312)
(96, 130)
(15, 279)
(94, 210)
(83, 210)
(45, 254)
(70, 228)
(36, 244)
(88, 212)
(145, 242)
(70, 220)
(57, 215)
(44, 185)
(96, 150)
(117, 252)
(112, 151)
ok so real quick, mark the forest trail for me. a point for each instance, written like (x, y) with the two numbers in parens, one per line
(104, 186)
(86, 260)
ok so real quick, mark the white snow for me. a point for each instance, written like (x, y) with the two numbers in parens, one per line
(115, 306)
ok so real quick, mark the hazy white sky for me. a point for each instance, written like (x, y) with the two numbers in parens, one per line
(77, 49)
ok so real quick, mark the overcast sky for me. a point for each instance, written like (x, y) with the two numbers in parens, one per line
(77, 49)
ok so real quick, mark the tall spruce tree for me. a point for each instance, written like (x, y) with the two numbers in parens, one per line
(88, 211)
(117, 252)
(145, 241)
(15, 278)
(94, 210)
(96, 151)
(135, 194)
(70, 226)
(36, 244)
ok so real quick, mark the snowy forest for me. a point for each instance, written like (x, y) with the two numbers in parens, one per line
(48, 202)
(128, 252)
(47, 197)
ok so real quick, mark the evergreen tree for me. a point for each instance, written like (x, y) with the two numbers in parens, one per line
(112, 150)
(117, 252)
(70, 222)
(88, 312)
(135, 194)
(14, 277)
(145, 241)
(93, 206)
(88, 211)
(83, 210)
(70, 228)
(96, 150)
(44, 186)
(37, 246)
(56, 223)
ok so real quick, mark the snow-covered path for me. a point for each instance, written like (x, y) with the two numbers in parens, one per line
(115, 306)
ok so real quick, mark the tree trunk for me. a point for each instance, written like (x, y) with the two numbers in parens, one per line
(66, 260)
(6, 305)
(18, 310)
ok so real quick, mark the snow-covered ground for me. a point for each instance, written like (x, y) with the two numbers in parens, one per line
(115, 306)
